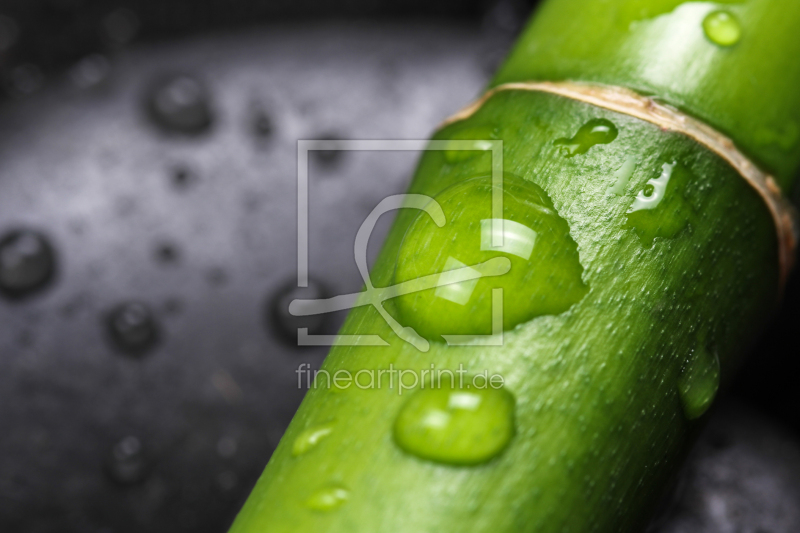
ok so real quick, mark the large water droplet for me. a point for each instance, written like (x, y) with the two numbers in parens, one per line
(545, 270)
(126, 463)
(27, 263)
(479, 139)
(180, 104)
(699, 382)
(722, 28)
(286, 324)
(310, 437)
(132, 328)
(660, 209)
(456, 425)
(328, 499)
(596, 131)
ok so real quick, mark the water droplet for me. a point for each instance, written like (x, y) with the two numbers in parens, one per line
(622, 177)
(90, 71)
(183, 177)
(217, 277)
(227, 447)
(121, 25)
(9, 32)
(660, 209)
(132, 328)
(480, 138)
(227, 480)
(180, 104)
(328, 499)
(27, 263)
(126, 463)
(699, 382)
(596, 131)
(722, 28)
(456, 425)
(286, 324)
(26, 79)
(262, 125)
(309, 438)
(329, 157)
(167, 253)
(545, 269)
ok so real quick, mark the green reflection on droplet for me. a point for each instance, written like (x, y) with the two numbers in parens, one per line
(660, 208)
(699, 382)
(480, 141)
(328, 498)
(545, 269)
(722, 28)
(309, 438)
(456, 425)
(596, 131)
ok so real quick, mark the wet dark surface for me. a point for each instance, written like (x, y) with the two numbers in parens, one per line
(144, 387)
(145, 380)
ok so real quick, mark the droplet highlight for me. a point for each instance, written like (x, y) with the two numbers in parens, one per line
(456, 425)
(132, 328)
(27, 263)
(310, 438)
(468, 143)
(596, 131)
(126, 463)
(699, 382)
(286, 325)
(660, 209)
(180, 104)
(328, 499)
(722, 28)
(622, 177)
(540, 272)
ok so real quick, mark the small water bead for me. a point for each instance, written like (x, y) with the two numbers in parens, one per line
(27, 263)
(332, 156)
(328, 498)
(120, 26)
(545, 269)
(722, 28)
(469, 142)
(456, 425)
(262, 124)
(283, 322)
(127, 464)
(660, 209)
(90, 71)
(309, 438)
(596, 131)
(622, 177)
(132, 328)
(699, 382)
(180, 104)
(167, 253)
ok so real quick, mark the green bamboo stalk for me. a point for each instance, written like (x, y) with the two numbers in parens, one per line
(619, 326)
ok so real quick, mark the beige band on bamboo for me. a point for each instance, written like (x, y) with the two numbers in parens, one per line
(668, 118)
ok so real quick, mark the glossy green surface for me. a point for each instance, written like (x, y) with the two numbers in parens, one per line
(607, 393)
(748, 89)
(456, 425)
(545, 276)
